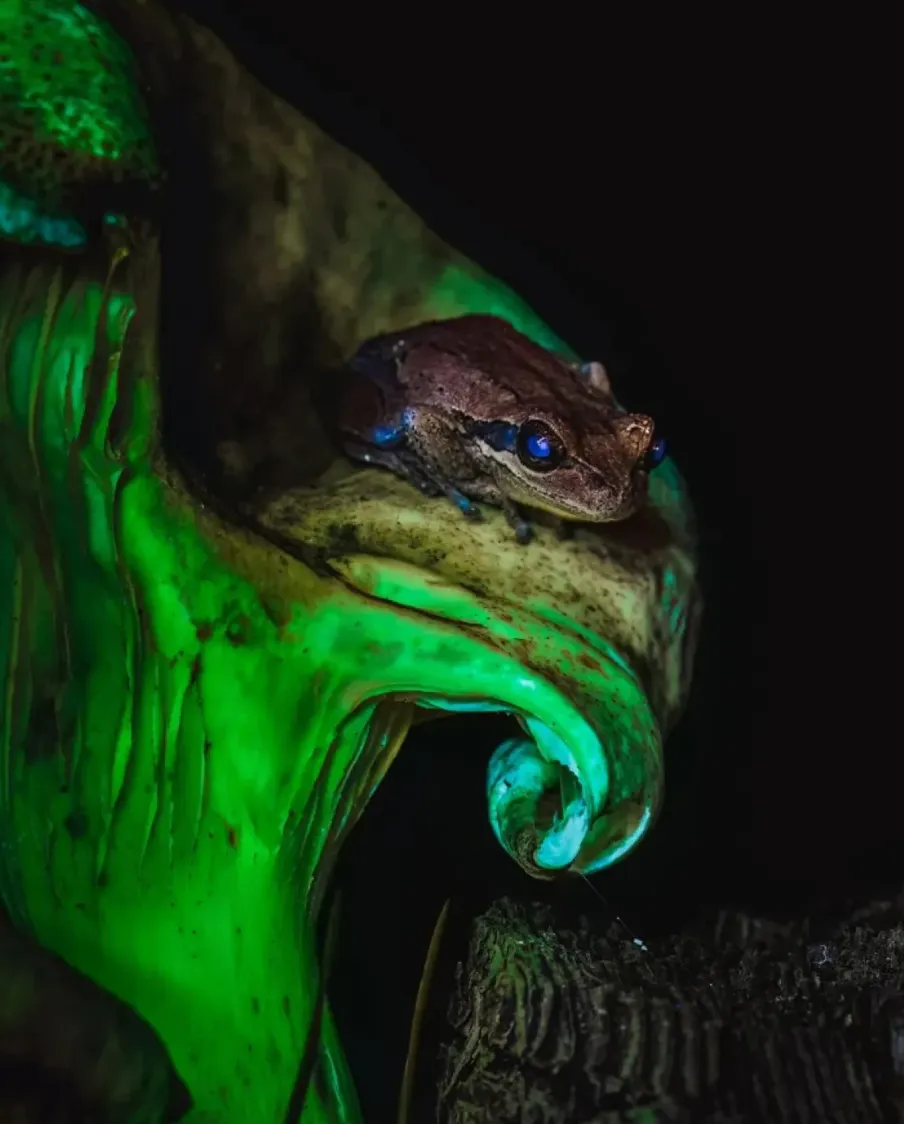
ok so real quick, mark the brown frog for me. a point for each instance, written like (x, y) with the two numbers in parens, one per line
(472, 409)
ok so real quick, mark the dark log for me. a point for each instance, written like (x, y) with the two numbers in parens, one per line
(735, 1019)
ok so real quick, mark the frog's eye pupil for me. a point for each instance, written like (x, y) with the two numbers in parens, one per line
(656, 455)
(538, 447)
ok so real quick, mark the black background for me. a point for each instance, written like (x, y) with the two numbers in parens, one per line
(633, 188)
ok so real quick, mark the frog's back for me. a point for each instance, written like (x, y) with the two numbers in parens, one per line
(481, 366)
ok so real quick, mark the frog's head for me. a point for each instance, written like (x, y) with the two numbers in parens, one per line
(558, 440)
(590, 462)
(584, 458)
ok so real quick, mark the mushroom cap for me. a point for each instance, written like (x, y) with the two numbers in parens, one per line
(74, 131)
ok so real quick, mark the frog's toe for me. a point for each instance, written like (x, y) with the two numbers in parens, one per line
(467, 507)
(388, 436)
(523, 530)
(424, 486)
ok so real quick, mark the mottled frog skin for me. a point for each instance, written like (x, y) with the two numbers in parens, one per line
(472, 409)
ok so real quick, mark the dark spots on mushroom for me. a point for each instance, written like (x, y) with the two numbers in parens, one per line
(276, 611)
(43, 736)
(343, 537)
(238, 631)
(340, 221)
(320, 1084)
(76, 824)
(281, 187)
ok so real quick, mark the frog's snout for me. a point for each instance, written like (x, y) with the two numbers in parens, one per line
(635, 434)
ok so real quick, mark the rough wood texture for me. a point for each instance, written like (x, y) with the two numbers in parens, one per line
(733, 1020)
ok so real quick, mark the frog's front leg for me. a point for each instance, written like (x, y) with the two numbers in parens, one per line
(393, 435)
(386, 458)
(415, 470)
(387, 446)
(523, 530)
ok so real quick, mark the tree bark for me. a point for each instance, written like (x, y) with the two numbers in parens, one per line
(734, 1019)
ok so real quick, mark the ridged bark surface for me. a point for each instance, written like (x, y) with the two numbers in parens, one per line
(734, 1020)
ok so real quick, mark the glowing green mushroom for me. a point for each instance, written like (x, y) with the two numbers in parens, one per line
(196, 710)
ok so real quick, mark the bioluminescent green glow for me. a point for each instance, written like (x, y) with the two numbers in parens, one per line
(71, 119)
(462, 288)
(192, 718)
(67, 84)
(22, 220)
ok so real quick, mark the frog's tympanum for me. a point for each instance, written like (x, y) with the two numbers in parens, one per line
(473, 409)
(197, 702)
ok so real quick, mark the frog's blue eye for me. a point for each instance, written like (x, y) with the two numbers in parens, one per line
(538, 447)
(656, 454)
